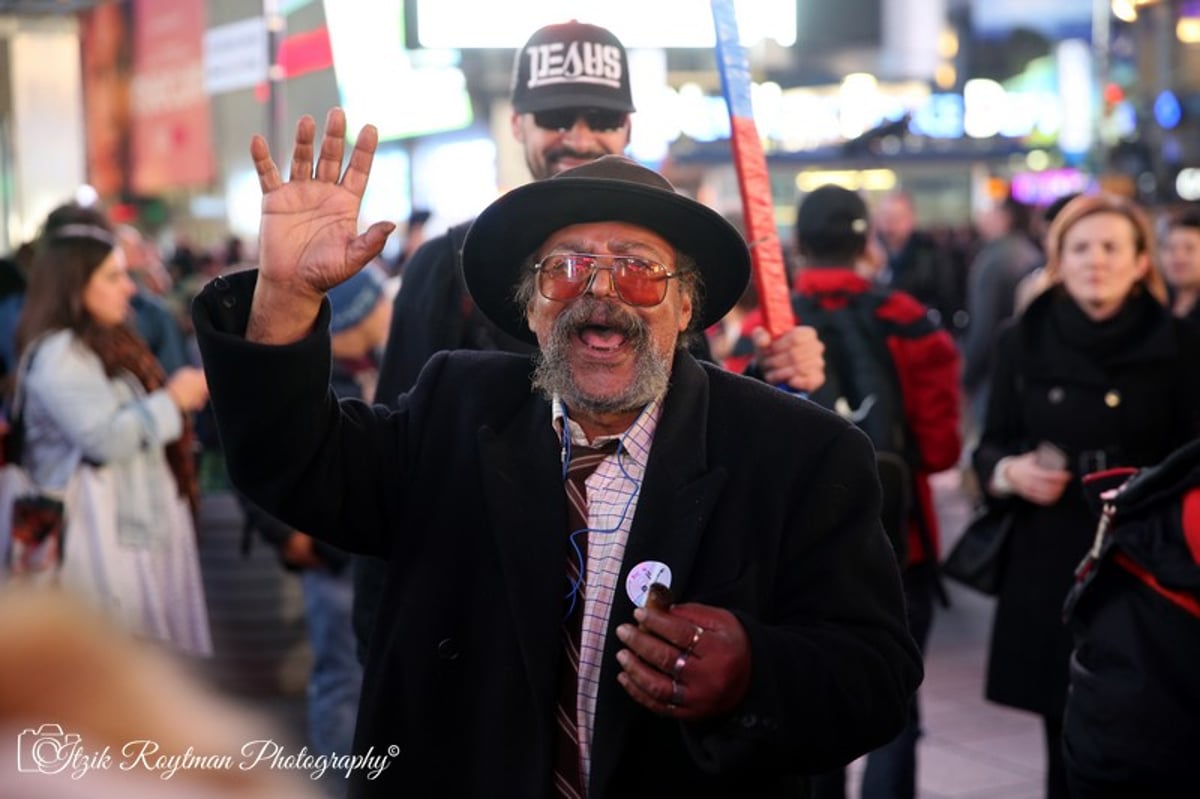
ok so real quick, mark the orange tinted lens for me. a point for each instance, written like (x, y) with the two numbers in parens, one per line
(564, 277)
(640, 286)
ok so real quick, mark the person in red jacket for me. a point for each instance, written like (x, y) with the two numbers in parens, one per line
(895, 373)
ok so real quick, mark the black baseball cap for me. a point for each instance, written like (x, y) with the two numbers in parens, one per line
(571, 65)
(831, 213)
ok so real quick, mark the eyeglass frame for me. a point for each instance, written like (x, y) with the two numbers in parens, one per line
(586, 112)
(537, 273)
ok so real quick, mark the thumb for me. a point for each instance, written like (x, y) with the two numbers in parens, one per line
(369, 244)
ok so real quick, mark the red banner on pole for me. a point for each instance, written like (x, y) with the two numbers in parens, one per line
(770, 274)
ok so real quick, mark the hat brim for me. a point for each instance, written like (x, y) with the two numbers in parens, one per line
(548, 99)
(509, 230)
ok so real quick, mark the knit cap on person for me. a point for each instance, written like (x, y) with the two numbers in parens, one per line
(353, 300)
(571, 65)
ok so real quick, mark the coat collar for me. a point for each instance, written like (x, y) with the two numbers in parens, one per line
(522, 486)
(1047, 355)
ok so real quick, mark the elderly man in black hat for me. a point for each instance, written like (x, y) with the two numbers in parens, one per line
(517, 652)
(572, 102)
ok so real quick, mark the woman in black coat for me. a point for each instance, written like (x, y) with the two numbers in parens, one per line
(1096, 374)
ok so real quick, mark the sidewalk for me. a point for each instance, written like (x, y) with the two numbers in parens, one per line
(972, 749)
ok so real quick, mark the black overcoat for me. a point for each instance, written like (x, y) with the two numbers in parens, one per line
(760, 502)
(1130, 405)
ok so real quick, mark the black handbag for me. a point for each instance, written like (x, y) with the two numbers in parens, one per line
(976, 560)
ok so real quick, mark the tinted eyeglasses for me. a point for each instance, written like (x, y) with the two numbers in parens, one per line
(598, 120)
(638, 281)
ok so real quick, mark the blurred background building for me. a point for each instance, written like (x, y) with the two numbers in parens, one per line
(149, 105)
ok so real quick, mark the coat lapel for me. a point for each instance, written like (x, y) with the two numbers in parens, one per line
(526, 510)
(676, 500)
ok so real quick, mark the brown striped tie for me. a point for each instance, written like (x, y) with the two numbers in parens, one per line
(568, 775)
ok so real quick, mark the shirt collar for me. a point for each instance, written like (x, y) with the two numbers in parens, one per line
(646, 420)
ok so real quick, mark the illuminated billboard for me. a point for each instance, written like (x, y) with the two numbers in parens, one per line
(403, 94)
(637, 23)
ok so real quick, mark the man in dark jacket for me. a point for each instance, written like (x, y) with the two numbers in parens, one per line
(1006, 257)
(516, 652)
(560, 120)
(918, 266)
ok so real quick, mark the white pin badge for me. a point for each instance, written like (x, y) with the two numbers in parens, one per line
(642, 576)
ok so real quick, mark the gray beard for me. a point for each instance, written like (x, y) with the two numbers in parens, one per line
(553, 376)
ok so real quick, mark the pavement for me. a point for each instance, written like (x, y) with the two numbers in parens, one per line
(971, 749)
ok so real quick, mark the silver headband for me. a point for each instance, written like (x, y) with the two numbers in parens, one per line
(80, 231)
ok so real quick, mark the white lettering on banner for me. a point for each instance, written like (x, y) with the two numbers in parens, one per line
(582, 62)
(167, 90)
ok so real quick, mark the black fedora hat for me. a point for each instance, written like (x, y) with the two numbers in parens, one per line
(609, 189)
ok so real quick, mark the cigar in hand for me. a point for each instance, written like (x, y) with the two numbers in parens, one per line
(659, 597)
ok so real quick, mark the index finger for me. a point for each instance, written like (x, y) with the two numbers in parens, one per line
(667, 625)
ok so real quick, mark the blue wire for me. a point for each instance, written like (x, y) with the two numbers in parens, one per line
(577, 583)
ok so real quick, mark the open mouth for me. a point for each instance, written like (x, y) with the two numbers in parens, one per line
(602, 337)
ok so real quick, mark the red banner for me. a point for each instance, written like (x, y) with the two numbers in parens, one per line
(170, 115)
(766, 253)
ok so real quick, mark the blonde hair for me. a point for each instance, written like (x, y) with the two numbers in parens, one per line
(1090, 205)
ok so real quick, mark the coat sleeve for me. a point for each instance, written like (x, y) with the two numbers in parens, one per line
(834, 667)
(335, 470)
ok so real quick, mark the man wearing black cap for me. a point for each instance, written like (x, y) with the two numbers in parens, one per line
(894, 372)
(516, 653)
(571, 104)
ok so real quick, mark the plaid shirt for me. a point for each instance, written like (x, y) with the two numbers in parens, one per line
(612, 492)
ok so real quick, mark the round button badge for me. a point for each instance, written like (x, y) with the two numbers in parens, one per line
(641, 576)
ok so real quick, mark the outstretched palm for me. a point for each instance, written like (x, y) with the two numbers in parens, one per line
(308, 239)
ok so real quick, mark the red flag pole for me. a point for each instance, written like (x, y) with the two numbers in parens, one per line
(766, 252)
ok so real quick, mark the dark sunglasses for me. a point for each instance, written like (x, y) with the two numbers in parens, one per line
(598, 120)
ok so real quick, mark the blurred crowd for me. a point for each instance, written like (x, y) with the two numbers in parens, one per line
(1033, 346)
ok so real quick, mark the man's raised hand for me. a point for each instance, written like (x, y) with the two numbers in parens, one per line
(308, 237)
